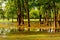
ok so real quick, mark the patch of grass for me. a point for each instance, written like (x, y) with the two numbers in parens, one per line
(31, 37)
(1, 20)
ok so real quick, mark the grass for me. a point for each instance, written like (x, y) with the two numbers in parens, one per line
(1, 20)
(39, 36)
(28, 35)
(31, 36)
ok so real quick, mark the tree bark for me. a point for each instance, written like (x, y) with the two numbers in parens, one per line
(27, 10)
(3, 16)
(19, 12)
(12, 17)
(28, 14)
(54, 14)
(54, 9)
(22, 10)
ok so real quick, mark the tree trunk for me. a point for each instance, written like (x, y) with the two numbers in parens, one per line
(39, 15)
(54, 9)
(22, 10)
(28, 15)
(54, 14)
(8, 19)
(3, 16)
(19, 17)
(19, 12)
(46, 20)
(40, 18)
(22, 18)
(12, 17)
(27, 10)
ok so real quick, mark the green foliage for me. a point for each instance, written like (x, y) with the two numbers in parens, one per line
(34, 13)
(43, 5)
(10, 10)
(1, 13)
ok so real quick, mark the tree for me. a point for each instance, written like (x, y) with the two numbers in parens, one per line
(27, 10)
(19, 11)
(10, 10)
(22, 11)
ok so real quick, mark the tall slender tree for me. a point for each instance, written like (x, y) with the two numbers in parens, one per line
(22, 11)
(19, 11)
(27, 10)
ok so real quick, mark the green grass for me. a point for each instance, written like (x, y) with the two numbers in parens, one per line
(1, 20)
(31, 36)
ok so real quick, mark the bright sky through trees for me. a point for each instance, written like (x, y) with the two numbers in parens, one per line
(3, 6)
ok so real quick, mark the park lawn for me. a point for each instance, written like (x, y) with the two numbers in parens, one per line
(1, 20)
(6, 23)
(28, 36)
(41, 36)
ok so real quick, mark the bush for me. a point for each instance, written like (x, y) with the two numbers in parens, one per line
(34, 13)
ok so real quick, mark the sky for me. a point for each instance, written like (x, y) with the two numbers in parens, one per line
(3, 5)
